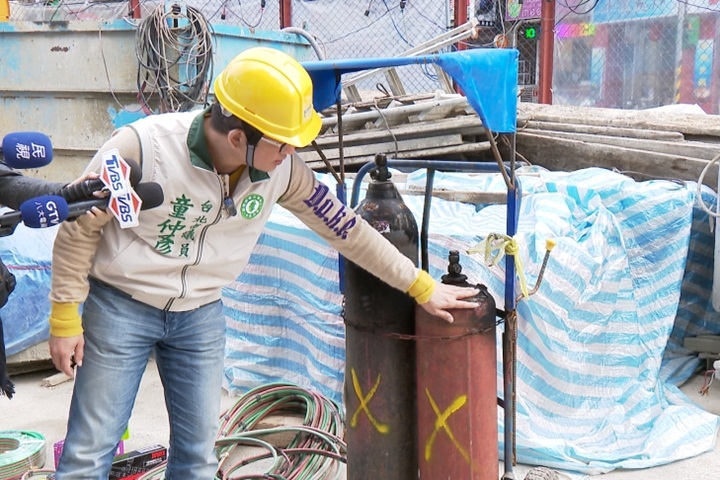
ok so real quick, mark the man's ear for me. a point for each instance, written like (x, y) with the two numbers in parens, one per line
(237, 138)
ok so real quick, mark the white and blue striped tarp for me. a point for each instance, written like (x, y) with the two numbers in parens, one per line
(596, 387)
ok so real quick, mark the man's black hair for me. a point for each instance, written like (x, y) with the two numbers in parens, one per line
(225, 123)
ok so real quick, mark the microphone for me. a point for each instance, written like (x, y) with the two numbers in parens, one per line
(27, 149)
(40, 212)
(150, 193)
(50, 210)
(43, 212)
(85, 189)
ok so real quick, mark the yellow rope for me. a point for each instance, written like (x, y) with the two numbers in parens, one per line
(495, 246)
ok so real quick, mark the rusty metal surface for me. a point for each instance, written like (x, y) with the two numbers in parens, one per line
(457, 394)
(380, 370)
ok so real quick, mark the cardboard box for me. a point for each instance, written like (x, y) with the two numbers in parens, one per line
(133, 464)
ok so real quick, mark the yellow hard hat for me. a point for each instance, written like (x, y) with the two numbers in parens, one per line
(272, 92)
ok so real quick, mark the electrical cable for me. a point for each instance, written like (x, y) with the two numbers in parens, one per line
(395, 27)
(174, 51)
(700, 200)
(312, 40)
(21, 451)
(241, 15)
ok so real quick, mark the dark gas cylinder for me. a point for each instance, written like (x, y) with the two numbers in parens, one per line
(457, 388)
(380, 365)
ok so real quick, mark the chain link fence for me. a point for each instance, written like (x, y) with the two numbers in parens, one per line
(637, 54)
(630, 54)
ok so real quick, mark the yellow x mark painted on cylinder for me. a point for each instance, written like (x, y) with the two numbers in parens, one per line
(364, 400)
(441, 423)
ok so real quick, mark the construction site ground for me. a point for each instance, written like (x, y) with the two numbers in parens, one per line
(43, 409)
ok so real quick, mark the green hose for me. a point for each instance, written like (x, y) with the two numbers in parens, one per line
(20, 451)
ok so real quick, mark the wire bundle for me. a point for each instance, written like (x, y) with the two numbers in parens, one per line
(174, 50)
(20, 451)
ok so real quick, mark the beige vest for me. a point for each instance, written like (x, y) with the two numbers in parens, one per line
(184, 251)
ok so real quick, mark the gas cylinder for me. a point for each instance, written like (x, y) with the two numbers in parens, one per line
(457, 388)
(381, 428)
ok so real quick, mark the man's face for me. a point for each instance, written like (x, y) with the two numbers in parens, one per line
(270, 153)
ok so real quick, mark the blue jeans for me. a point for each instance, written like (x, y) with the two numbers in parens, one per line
(120, 334)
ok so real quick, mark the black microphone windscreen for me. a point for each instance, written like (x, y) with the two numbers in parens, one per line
(151, 194)
(86, 189)
(135, 172)
(27, 149)
(81, 190)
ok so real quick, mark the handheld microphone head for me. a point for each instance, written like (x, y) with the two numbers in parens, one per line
(135, 172)
(86, 189)
(45, 211)
(151, 194)
(27, 149)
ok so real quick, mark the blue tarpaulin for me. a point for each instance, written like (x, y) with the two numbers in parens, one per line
(487, 77)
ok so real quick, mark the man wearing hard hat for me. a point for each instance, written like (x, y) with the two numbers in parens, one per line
(157, 287)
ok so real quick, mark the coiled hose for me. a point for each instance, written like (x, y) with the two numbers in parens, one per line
(20, 451)
(315, 451)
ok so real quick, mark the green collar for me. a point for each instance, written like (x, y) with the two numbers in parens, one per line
(199, 153)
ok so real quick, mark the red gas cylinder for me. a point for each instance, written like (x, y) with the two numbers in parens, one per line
(457, 389)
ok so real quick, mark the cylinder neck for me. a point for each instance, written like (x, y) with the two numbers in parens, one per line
(380, 173)
(454, 275)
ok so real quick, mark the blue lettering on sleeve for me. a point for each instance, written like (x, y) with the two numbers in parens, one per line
(322, 204)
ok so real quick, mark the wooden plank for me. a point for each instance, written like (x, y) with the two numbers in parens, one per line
(413, 144)
(612, 131)
(704, 151)
(465, 148)
(458, 102)
(692, 124)
(464, 124)
(570, 155)
(54, 380)
(462, 196)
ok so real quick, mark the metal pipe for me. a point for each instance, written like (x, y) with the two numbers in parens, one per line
(436, 164)
(509, 339)
(461, 16)
(426, 219)
(547, 41)
(285, 13)
(306, 35)
(399, 111)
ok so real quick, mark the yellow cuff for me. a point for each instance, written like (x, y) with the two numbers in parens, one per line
(422, 288)
(65, 320)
